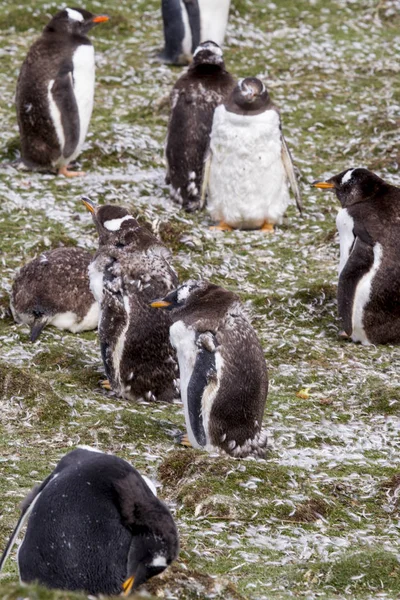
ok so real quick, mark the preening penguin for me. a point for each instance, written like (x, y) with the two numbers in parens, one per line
(224, 381)
(130, 268)
(55, 92)
(248, 162)
(369, 270)
(189, 22)
(194, 98)
(53, 289)
(95, 526)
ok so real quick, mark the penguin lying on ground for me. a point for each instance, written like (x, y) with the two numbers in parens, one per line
(369, 271)
(194, 98)
(189, 22)
(55, 92)
(224, 381)
(248, 162)
(94, 525)
(130, 268)
(53, 289)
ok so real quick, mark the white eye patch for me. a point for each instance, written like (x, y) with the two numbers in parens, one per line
(183, 293)
(214, 49)
(347, 176)
(74, 15)
(115, 224)
(159, 561)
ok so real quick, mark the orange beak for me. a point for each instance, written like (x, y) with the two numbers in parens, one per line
(100, 19)
(127, 586)
(89, 205)
(160, 304)
(323, 185)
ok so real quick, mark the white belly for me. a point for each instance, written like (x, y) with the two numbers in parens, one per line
(247, 184)
(345, 225)
(214, 19)
(83, 76)
(362, 296)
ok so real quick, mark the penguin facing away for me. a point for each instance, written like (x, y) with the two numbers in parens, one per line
(194, 97)
(187, 23)
(55, 91)
(95, 526)
(369, 270)
(53, 289)
(248, 162)
(130, 268)
(223, 375)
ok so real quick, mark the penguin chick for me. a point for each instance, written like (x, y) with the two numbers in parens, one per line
(55, 92)
(194, 98)
(369, 268)
(53, 289)
(248, 163)
(223, 375)
(130, 268)
(95, 526)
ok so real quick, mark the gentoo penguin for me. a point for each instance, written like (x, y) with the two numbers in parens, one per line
(53, 289)
(194, 98)
(94, 525)
(130, 268)
(248, 162)
(222, 368)
(55, 92)
(369, 270)
(189, 22)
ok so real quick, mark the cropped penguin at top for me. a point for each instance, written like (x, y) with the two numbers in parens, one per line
(248, 162)
(369, 270)
(130, 268)
(95, 526)
(55, 92)
(194, 97)
(224, 381)
(53, 289)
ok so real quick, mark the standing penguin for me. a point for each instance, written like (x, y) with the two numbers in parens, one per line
(224, 381)
(130, 268)
(194, 98)
(189, 22)
(369, 270)
(53, 289)
(248, 162)
(94, 525)
(55, 92)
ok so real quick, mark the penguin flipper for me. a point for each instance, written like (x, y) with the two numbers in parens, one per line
(63, 94)
(288, 164)
(206, 178)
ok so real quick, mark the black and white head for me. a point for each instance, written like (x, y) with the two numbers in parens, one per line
(74, 21)
(208, 53)
(354, 185)
(186, 295)
(115, 226)
(251, 94)
(150, 555)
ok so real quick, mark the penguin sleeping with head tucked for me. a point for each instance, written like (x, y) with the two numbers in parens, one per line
(223, 375)
(248, 162)
(369, 270)
(55, 92)
(95, 525)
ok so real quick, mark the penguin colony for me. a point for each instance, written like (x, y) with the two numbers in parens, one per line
(225, 148)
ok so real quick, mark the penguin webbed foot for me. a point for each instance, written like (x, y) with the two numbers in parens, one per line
(106, 385)
(184, 441)
(222, 226)
(267, 227)
(64, 171)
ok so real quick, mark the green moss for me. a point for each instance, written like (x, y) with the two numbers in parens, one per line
(370, 570)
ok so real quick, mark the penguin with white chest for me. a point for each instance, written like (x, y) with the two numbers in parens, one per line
(130, 268)
(55, 92)
(223, 375)
(194, 97)
(248, 163)
(187, 23)
(96, 526)
(369, 270)
(53, 289)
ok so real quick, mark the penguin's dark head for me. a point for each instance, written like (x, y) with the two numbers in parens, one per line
(149, 555)
(353, 186)
(114, 224)
(208, 54)
(182, 296)
(250, 94)
(74, 21)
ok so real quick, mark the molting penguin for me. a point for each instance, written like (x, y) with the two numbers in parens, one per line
(369, 269)
(248, 163)
(130, 268)
(94, 525)
(55, 92)
(53, 289)
(189, 22)
(194, 98)
(224, 381)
